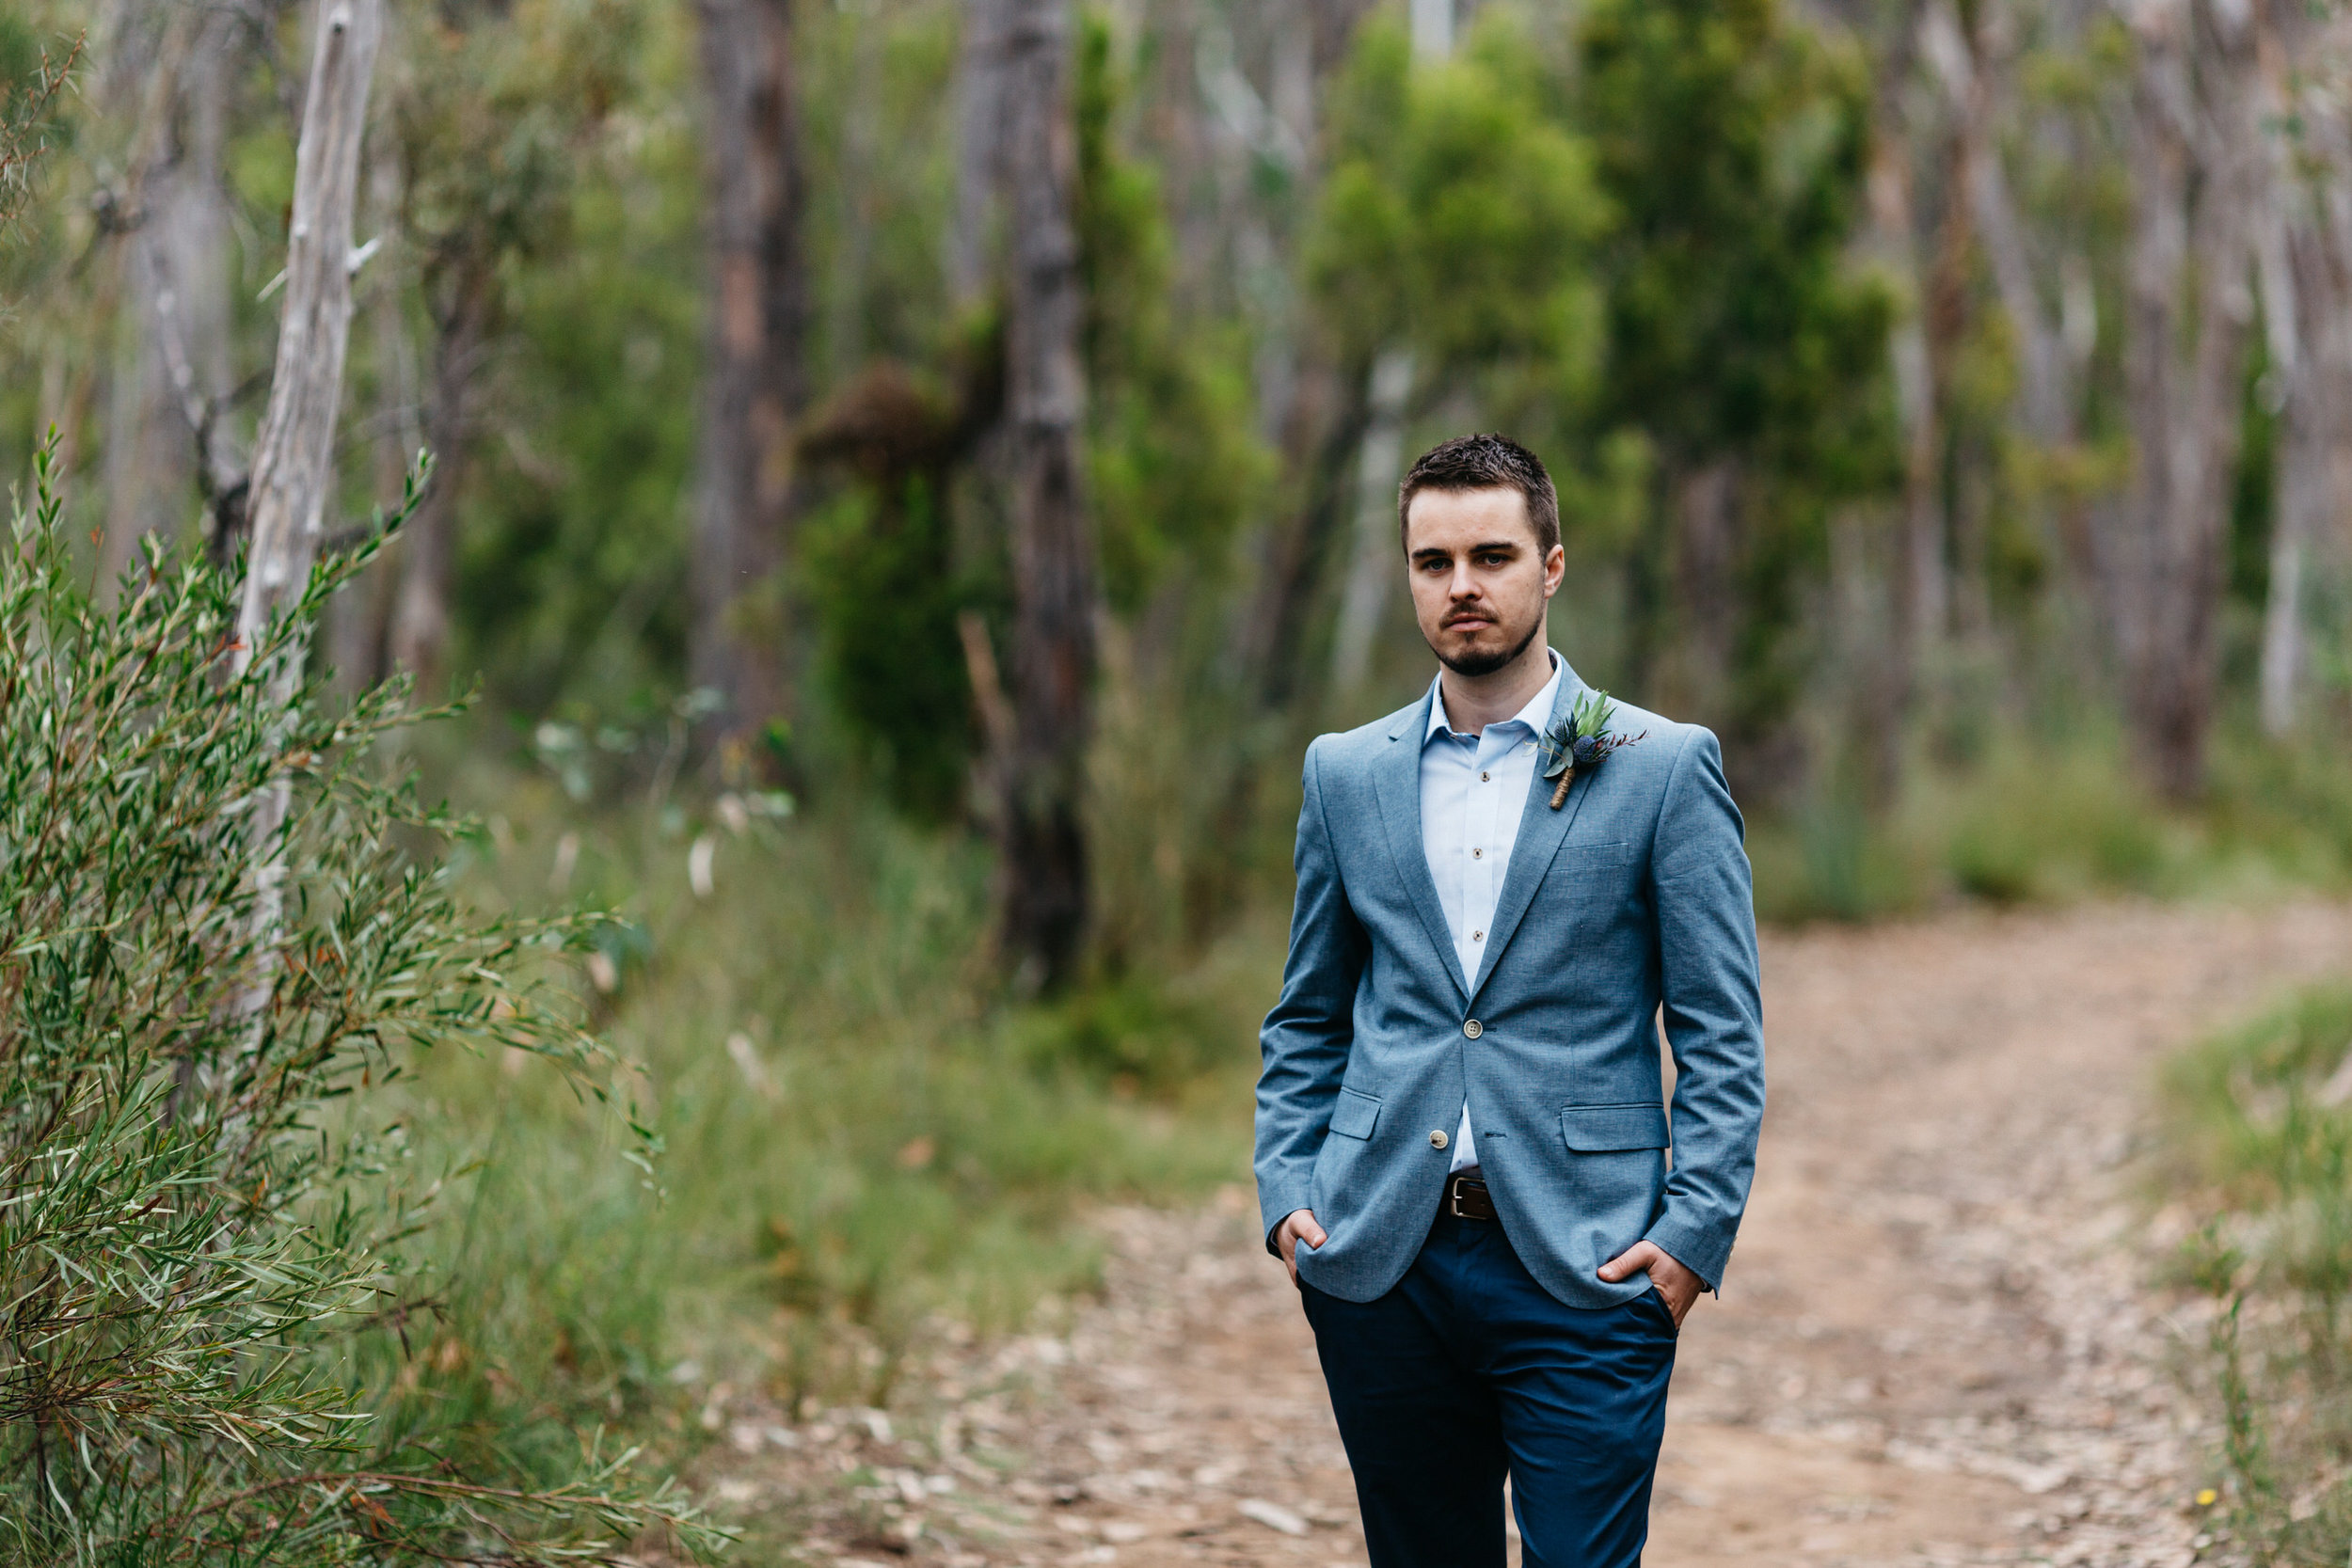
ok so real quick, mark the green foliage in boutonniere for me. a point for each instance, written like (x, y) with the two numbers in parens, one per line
(1577, 743)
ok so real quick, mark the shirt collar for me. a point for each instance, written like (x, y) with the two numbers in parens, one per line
(1535, 715)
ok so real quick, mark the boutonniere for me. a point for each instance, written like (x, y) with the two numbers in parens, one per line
(1579, 743)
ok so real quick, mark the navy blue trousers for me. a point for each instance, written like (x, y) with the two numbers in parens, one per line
(1467, 1371)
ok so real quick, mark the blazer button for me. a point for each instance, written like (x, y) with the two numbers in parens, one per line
(1472, 1029)
(1438, 1139)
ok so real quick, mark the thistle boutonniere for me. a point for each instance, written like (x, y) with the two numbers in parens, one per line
(1580, 742)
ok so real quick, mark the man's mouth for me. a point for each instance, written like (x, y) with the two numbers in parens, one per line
(1469, 623)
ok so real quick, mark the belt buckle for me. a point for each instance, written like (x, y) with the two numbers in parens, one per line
(1453, 1197)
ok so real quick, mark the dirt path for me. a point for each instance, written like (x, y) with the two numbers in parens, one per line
(1935, 1346)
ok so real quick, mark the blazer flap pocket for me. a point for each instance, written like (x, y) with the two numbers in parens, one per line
(1597, 1129)
(1354, 1115)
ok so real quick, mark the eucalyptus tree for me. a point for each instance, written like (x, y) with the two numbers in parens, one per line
(1732, 144)
(756, 376)
(2195, 151)
(1041, 825)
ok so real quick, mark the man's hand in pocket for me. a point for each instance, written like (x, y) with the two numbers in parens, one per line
(1296, 1227)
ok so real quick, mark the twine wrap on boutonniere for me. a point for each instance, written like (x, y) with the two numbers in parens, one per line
(1580, 742)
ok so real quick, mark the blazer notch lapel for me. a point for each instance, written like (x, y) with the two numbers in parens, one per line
(1396, 782)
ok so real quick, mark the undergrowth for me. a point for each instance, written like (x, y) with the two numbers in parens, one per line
(2258, 1141)
(861, 1135)
(2058, 818)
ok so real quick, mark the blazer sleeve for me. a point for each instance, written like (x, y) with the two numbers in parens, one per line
(1306, 1038)
(1713, 1010)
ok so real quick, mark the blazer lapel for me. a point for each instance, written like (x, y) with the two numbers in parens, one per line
(1541, 832)
(1396, 780)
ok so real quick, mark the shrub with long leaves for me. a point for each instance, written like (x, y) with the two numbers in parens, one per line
(200, 1217)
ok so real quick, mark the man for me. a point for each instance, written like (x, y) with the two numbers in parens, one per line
(1462, 1149)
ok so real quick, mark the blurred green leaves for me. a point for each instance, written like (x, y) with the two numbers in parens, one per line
(206, 1218)
(1460, 219)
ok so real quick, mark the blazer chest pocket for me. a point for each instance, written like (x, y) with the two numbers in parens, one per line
(1602, 1129)
(1356, 1114)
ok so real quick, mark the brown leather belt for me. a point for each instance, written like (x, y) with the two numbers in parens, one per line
(1466, 1197)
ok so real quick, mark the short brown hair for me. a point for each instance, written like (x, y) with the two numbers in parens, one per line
(1486, 463)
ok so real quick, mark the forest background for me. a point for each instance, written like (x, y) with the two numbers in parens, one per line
(911, 477)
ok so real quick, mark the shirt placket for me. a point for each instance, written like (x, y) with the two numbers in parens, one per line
(1481, 906)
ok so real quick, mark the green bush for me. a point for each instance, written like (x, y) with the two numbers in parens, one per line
(208, 1224)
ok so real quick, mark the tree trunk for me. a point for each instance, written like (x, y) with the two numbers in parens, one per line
(428, 551)
(1375, 555)
(1886, 676)
(1971, 82)
(2308, 311)
(755, 387)
(980, 149)
(358, 625)
(1044, 855)
(174, 377)
(2193, 150)
(1323, 443)
(294, 458)
(1706, 504)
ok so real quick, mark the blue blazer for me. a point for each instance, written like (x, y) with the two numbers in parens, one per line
(1631, 898)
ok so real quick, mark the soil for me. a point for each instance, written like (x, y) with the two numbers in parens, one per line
(1944, 1337)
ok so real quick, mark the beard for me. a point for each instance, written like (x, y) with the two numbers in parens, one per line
(1477, 661)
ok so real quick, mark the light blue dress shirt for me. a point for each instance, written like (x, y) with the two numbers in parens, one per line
(1473, 788)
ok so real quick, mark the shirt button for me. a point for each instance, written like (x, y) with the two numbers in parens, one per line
(1478, 936)
(1484, 775)
(1438, 1139)
(1478, 854)
(1472, 1029)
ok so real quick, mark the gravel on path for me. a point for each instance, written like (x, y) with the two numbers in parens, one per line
(1940, 1342)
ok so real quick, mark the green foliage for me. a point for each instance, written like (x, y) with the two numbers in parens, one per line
(203, 1212)
(859, 1132)
(877, 121)
(549, 188)
(880, 570)
(1171, 457)
(1460, 219)
(30, 81)
(1732, 146)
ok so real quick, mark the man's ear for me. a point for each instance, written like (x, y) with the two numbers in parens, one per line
(1555, 570)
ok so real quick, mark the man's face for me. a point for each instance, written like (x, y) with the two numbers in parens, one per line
(1480, 583)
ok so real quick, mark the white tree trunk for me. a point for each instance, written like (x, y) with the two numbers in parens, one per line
(293, 461)
(2196, 166)
(2307, 300)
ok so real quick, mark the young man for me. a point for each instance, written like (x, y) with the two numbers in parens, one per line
(1462, 1149)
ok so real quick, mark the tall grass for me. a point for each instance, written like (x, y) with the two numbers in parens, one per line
(2040, 817)
(2259, 1125)
(858, 1131)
